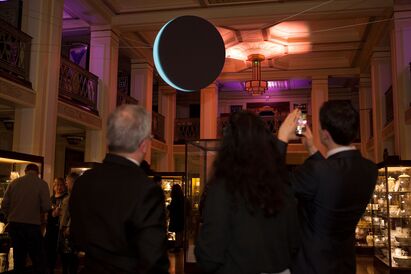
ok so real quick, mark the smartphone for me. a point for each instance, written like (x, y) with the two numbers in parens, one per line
(301, 124)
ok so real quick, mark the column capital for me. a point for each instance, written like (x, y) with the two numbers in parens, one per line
(165, 89)
(380, 54)
(365, 81)
(141, 65)
(319, 80)
(102, 32)
(213, 85)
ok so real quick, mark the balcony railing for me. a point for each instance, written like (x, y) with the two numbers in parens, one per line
(186, 130)
(157, 126)
(273, 124)
(15, 47)
(78, 86)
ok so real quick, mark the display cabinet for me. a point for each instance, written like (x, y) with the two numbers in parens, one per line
(391, 216)
(168, 179)
(199, 159)
(364, 239)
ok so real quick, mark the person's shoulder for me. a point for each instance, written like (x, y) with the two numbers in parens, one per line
(369, 164)
(43, 183)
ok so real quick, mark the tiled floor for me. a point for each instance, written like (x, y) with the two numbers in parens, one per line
(364, 264)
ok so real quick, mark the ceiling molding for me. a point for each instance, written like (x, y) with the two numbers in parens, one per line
(267, 13)
(92, 12)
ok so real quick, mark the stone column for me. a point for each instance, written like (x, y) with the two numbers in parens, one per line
(365, 108)
(141, 88)
(167, 107)
(35, 128)
(104, 63)
(208, 126)
(209, 112)
(381, 80)
(401, 78)
(319, 95)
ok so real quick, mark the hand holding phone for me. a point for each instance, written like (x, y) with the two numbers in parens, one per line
(301, 124)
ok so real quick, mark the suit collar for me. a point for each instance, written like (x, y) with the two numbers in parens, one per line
(117, 159)
(355, 153)
(339, 149)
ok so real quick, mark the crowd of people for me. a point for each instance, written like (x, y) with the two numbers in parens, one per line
(38, 224)
(257, 216)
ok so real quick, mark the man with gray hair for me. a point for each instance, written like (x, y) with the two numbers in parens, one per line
(117, 213)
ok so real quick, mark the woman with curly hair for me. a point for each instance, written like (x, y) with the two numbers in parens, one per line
(250, 222)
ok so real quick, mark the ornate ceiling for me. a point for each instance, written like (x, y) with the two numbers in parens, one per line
(294, 35)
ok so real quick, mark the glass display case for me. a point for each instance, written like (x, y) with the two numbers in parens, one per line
(199, 159)
(391, 216)
(168, 179)
(364, 239)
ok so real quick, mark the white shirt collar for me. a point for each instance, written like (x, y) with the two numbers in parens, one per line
(134, 161)
(339, 149)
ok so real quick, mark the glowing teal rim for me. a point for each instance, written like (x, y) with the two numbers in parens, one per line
(157, 62)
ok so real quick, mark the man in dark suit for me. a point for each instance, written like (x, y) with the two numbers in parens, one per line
(117, 213)
(333, 192)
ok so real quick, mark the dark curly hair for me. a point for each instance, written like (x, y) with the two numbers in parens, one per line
(249, 163)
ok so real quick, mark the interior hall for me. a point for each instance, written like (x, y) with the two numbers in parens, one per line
(65, 65)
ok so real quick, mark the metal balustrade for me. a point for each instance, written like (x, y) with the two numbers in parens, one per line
(157, 126)
(15, 47)
(78, 86)
(186, 130)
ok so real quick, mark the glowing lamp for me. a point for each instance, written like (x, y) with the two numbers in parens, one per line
(256, 86)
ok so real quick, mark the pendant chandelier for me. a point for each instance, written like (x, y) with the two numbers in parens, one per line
(256, 86)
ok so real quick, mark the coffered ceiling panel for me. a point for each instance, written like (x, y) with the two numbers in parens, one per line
(296, 34)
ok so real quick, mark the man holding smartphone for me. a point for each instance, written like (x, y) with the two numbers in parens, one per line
(333, 191)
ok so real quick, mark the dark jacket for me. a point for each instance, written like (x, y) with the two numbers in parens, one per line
(333, 194)
(118, 219)
(234, 239)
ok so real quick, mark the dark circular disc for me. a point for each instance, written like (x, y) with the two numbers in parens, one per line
(189, 53)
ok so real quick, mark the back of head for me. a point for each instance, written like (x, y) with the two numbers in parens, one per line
(73, 176)
(127, 127)
(176, 192)
(248, 162)
(32, 168)
(341, 120)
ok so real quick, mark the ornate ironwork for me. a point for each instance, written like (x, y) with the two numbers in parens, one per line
(273, 124)
(157, 126)
(186, 130)
(15, 47)
(78, 86)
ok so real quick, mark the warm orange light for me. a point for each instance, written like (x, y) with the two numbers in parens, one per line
(244, 49)
(288, 30)
(284, 38)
